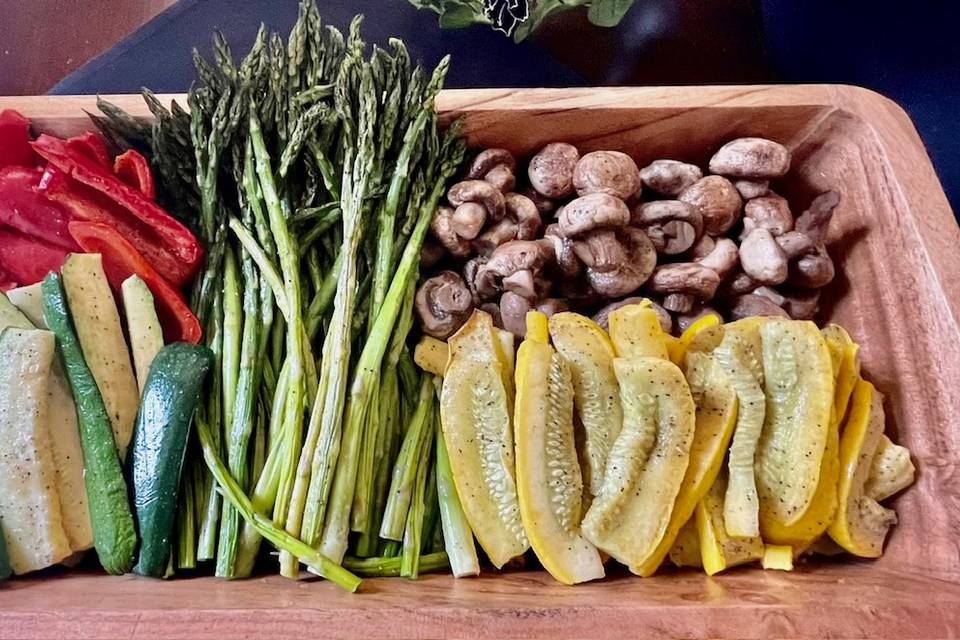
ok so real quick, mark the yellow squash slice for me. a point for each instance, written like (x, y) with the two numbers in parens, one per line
(475, 411)
(549, 483)
(636, 333)
(431, 355)
(685, 551)
(798, 379)
(589, 353)
(647, 462)
(678, 348)
(891, 471)
(716, 415)
(849, 371)
(718, 550)
(861, 524)
(739, 355)
(778, 557)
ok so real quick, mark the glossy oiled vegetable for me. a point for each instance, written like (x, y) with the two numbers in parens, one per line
(589, 353)
(799, 385)
(779, 557)
(170, 395)
(431, 355)
(635, 332)
(143, 325)
(110, 516)
(740, 357)
(718, 549)
(647, 462)
(685, 551)
(475, 412)
(861, 524)
(716, 415)
(849, 370)
(891, 471)
(29, 504)
(549, 483)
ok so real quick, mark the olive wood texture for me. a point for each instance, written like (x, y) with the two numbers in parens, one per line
(898, 293)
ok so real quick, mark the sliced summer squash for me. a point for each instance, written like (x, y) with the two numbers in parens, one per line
(29, 505)
(679, 347)
(97, 323)
(778, 557)
(719, 550)
(589, 353)
(476, 421)
(635, 332)
(431, 355)
(549, 483)
(891, 471)
(739, 355)
(861, 524)
(647, 462)
(685, 551)
(716, 404)
(799, 385)
(64, 432)
(143, 325)
(11, 316)
(849, 371)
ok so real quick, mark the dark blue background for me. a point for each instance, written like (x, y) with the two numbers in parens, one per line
(907, 51)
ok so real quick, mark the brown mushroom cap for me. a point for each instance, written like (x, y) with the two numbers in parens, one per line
(471, 269)
(673, 226)
(513, 313)
(795, 244)
(669, 177)
(430, 254)
(723, 258)
(762, 258)
(610, 172)
(678, 302)
(566, 259)
(487, 160)
(478, 191)
(523, 210)
(511, 260)
(736, 285)
(770, 212)
(441, 228)
(801, 305)
(685, 277)
(544, 204)
(612, 278)
(718, 202)
(602, 317)
(756, 158)
(443, 304)
(468, 219)
(502, 177)
(813, 270)
(770, 294)
(495, 235)
(493, 310)
(814, 221)
(749, 189)
(551, 170)
(594, 211)
(702, 247)
(749, 305)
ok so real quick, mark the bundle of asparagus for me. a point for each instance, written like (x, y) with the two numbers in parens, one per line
(311, 171)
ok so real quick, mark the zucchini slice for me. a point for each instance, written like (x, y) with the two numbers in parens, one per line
(647, 462)
(143, 326)
(475, 412)
(739, 355)
(716, 403)
(798, 379)
(549, 482)
(861, 524)
(685, 551)
(891, 471)
(596, 396)
(719, 550)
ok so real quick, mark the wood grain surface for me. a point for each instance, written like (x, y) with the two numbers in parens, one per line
(898, 292)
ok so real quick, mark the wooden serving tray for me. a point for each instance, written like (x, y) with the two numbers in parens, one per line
(898, 292)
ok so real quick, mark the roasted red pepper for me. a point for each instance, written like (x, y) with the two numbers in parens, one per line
(92, 146)
(26, 210)
(84, 203)
(15, 140)
(171, 233)
(133, 169)
(27, 259)
(121, 260)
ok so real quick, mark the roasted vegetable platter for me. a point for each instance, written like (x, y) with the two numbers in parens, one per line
(231, 355)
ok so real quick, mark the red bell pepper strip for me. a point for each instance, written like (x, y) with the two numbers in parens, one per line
(133, 169)
(175, 236)
(121, 260)
(84, 203)
(28, 211)
(92, 146)
(6, 281)
(15, 140)
(26, 259)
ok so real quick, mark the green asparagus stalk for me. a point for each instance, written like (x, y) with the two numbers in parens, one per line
(385, 567)
(413, 532)
(457, 535)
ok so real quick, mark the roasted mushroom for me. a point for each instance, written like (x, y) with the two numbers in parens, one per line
(813, 270)
(513, 313)
(443, 303)
(495, 235)
(722, 258)
(673, 226)
(814, 221)
(551, 170)
(514, 266)
(476, 201)
(762, 258)
(679, 302)
(685, 277)
(702, 247)
(551, 306)
(801, 305)
(441, 228)
(770, 212)
(489, 159)
(749, 189)
(594, 211)
(610, 172)
(502, 178)
(669, 177)
(602, 317)
(749, 305)
(754, 158)
(737, 285)
(565, 259)
(431, 253)
(684, 320)
(523, 211)
(718, 202)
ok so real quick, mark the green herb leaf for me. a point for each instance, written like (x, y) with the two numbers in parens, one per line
(608, 13)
